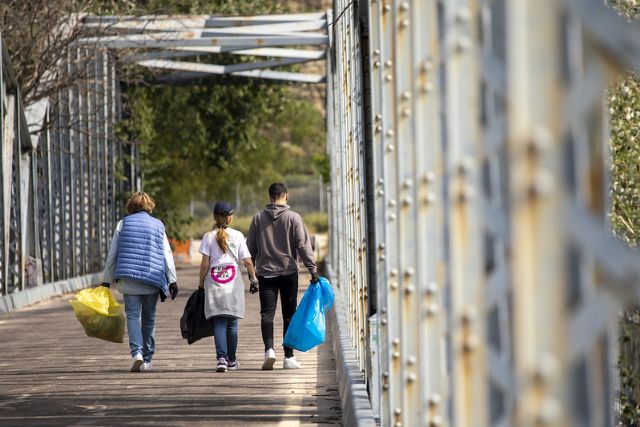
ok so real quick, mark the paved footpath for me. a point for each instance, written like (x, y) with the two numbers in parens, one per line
(51, 373)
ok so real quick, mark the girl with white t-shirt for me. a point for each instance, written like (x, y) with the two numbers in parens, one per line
(222, 250)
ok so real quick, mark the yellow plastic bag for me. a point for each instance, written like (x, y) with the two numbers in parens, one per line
(99, 313)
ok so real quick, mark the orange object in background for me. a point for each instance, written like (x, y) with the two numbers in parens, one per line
(181, 253)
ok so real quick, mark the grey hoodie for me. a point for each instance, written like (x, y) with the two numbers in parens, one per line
(276, 236)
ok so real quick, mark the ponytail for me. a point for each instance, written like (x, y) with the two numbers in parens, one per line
(221, 223)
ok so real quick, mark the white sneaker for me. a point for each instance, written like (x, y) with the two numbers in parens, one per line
(146, 367)
(222, 365)
(136, 363)
(233, 366)
(290, 363)
(269, 360)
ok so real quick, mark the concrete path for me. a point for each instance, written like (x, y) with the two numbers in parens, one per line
(51, 373)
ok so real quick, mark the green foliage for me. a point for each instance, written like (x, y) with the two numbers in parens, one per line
(220, 138)
(624, 109)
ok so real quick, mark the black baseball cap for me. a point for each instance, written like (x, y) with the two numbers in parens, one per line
(223, 208)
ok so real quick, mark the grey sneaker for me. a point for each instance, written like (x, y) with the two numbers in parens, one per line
(136, 363)
(233, 366)
(146, 367)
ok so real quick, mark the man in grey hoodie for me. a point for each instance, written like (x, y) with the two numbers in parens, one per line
(277, 236)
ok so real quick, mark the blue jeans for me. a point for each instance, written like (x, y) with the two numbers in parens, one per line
(141, 323)
(225, 336)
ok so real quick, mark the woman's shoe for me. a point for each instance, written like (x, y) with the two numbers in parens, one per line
(222, 365)
(233, 366)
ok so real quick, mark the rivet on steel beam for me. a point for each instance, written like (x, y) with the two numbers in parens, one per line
(380, 181)
(540, 142)
(381, 246)
(409, 289)
(431, 288)
(393, 272)
(398, 411)
(406, 95)
(406, 112)
(392, 203)
(427, 88)
(404, 23)
(388, 78)
(383, 321)
(407, 201)
(429, 177)
(429, 198)
(463, 15)
(376, 52)
(378, 129)
(396, 341)
(542, 184)
(393, 285)
(435, 400)
(380, 192)
(469, 316)
(409, 272)
(427, 65)
(382, 257)
(383, 310)
(376, 64)
(385, 374)
(411, 377)
(386, 7)
(550, 411)
(432, 309)
(471, 343)
(546, 369)
(436, 421)
(385, 387)
(407, 183)
(411, 360)
(463, 44)
(404, 6)
(378, 117)
(396, 355)
(466, 194)
(390, 133)
(388, 63)
(465, 166)
(390, 148)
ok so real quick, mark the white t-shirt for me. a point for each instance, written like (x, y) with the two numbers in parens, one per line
(235, 241)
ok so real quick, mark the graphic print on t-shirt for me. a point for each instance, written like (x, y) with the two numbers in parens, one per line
(223, 274)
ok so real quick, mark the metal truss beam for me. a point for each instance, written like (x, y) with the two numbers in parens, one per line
(165, 39)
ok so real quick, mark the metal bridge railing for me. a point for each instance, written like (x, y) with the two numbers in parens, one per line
(468, 207)
(62, 171)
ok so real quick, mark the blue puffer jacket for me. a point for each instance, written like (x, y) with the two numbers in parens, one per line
(141, 251)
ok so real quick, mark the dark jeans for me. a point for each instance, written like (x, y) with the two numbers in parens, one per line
(288, 287)
(225, 336)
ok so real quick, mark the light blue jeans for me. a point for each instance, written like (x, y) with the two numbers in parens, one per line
(141, 323)
(225, 336)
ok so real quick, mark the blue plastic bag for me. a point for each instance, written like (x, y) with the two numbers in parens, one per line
(307, 327)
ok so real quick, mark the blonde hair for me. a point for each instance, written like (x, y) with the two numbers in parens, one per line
(221, 223)
(140, 202)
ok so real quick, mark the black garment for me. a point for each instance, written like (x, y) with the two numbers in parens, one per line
(288, 287)
(193, 324)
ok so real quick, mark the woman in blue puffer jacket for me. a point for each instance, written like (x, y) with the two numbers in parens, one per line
(141, 264)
